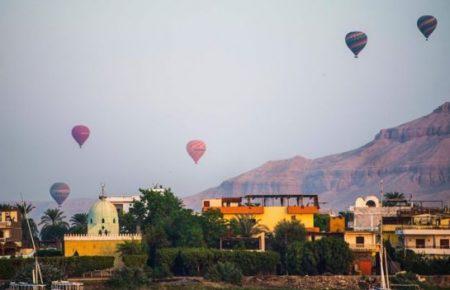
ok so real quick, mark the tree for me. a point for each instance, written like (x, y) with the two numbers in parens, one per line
(53, 225)
(131, 248)
(127, 223)
(24, 209)
(322, 221)
(302, 258)
(285, 234)
(245, 226)
(214, 227)
(333, 256)
(79, 223)
(5, 206)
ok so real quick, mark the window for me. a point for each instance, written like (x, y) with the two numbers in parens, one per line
(294, 218)
(206, 203)
(420, 243)
(444, 244)
(114, 220)
(360, 241)
(371, 203)
(1, 234)
(103, 221)
(91, 221)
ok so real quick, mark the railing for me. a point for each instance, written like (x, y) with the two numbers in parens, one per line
(364, 247)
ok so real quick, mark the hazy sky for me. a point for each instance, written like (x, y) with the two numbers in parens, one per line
(256, 80)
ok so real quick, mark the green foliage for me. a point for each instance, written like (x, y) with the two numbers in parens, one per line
(79, 223)
(393, 198)
(49, 253)
(246, 226)
(69, 266)
(225, 272)
(53, 225)
(213, 226)
(196, 261)
(285, 234)
(422, 265)
(24, 209)
(127, 223)
(131, 248)
(302, 259)
(333, 255)
(128, 278)
(138, 261)
(49, 273)
(322, 221)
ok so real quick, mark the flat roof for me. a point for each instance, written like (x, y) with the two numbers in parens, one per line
(280, 195)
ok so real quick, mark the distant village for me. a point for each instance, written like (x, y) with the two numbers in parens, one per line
(379, 226)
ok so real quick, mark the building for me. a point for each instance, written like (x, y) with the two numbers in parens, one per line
(337, 224)
(269, 209)
(123, 203)
(102, 236)
(365, 247)
(10, 231)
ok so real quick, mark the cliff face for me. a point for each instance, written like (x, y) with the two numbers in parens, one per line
(413, 158)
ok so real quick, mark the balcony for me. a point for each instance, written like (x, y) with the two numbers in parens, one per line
(364, 247)
(302, 209)
(242, 210)
(437, 251)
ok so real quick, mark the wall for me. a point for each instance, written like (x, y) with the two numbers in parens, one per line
(95, 245)
(274, 214)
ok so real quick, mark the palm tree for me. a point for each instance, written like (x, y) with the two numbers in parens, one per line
(79, 222)
(392, 198)
(25, 208)
(245, 226)
(53, 225)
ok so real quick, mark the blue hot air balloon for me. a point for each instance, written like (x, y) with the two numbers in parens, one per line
(59, 191)
(356, 41)
(426, 24)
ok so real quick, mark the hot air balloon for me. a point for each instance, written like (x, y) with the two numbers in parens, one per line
(196, 149)
(80, 133)
(356, 41)
(59, 191)
(426, 24)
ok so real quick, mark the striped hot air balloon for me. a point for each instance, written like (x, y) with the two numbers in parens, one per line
(426, 24)
(356, 41)
(59, 191)
(196, 149)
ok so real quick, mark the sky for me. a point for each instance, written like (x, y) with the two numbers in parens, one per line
(256, 80)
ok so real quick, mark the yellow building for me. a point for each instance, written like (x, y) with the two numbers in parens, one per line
(337, 224)
(269, 209)
(102, 236)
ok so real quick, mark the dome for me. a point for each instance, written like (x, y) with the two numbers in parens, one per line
(103, 218)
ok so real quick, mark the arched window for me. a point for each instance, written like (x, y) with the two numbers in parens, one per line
(114, 220)
(370, 203)
(91, 221)
(103, 221)
(99, 232)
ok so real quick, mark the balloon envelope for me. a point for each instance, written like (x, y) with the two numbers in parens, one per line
(426, 24)
(59, 191)
(80, 133)
(196, 149)
(356, 41)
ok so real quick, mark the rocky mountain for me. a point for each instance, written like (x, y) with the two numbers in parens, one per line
(413, 158)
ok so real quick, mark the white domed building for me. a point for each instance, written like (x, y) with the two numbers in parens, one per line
(103, 235)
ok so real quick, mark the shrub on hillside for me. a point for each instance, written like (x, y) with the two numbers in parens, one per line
(225, 272)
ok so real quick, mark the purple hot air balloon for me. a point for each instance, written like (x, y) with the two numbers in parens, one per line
(59, 191)
(80, 133)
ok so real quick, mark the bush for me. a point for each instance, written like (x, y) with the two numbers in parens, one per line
(135, 260)
(69, 266)
(48, 253)
(225, 272)
(196, 261)
(49, 273)
(333, 256)
(128, 278)
(422, 265)
(302, 259)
